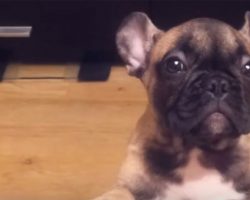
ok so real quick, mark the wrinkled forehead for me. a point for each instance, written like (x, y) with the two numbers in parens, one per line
(201, 36)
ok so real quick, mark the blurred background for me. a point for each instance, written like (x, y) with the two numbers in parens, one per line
(83, 31)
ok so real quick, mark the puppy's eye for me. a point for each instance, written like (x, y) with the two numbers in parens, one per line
(174, 65)
(246, 69)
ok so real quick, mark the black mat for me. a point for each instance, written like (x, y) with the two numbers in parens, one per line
(4, 58)
(95, 66)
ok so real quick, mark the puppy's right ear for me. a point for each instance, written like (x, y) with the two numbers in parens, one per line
(134, 40)
(245, 30)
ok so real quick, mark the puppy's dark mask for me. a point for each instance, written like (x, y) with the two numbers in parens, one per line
(197, 76)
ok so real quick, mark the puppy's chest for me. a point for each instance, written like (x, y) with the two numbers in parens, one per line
(206, 188)
(200, 183)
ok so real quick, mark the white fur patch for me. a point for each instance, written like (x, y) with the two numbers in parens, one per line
(210, 187)
(200, 183)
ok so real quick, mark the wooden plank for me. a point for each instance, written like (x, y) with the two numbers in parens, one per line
(31, 71)
(65, 140)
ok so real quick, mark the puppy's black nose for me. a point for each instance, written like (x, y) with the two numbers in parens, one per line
(218, 87)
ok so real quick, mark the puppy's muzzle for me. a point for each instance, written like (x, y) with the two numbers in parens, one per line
(217, 87)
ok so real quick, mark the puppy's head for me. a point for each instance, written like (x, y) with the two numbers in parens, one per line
(197, 76)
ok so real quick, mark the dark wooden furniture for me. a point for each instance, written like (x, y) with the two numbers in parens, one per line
(84, 30)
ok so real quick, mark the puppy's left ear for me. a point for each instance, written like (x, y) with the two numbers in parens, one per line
(245, 30)
(134, 40)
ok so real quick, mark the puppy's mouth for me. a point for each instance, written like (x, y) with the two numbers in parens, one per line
(214, 132)
(216, 123)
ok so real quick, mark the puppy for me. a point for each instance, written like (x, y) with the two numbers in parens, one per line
(191, 143)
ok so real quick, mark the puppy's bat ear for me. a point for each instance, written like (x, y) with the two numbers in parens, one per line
(134, 40)
(245, 30)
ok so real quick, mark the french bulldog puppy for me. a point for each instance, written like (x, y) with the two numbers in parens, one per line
(191, 142)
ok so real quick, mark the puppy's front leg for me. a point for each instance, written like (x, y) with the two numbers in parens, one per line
(118, 193)
(132, 175)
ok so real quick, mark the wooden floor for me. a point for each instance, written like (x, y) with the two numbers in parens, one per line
(63, 140)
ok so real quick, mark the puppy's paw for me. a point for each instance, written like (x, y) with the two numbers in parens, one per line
(116, 194)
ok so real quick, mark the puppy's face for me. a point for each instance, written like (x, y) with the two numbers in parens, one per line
(201, 85)
(197, 76)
